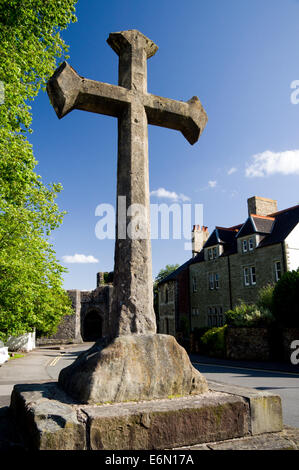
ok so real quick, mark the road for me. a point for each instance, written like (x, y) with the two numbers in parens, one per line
(46, 363)
(285, 384)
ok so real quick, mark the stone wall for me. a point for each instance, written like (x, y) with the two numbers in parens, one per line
(250, 344)
(69, 330)
(263, 260)
(167, 307)
(204, 297)
(231, 288)
(288, 336)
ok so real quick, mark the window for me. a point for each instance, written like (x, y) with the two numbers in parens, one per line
(244, 246)
(216, 281)
(215, 316)
(277, 265)
(215, 252)
(250, 244)
(194, 284)
(246, 276)
(211, 281)
(210, 253)
(249, 276)
(252, 275)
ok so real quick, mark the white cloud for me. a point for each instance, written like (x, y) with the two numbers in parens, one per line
(212, 184)
(164, 193)
(268, 163)
(76, 258)
(232, 170)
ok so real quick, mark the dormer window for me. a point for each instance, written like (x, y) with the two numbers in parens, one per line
(213, 253)
(244, 246)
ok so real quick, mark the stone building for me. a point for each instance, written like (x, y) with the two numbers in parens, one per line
(90, 320)
(231, 265)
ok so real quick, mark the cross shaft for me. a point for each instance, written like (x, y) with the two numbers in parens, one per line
(132, 307)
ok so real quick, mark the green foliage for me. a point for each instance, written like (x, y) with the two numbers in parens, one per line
(30, 43)
(249, 315)
(108, 277)
(213, 342)
(286, 300)
(265, 297)
(169, 268)
(31, 294)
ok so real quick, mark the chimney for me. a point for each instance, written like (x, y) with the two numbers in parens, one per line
(199, 238)
(261, 206)
(100, 279)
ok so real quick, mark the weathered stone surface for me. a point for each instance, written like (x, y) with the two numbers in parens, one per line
(288, 439)
(52, 420)
(132, 367)
(265, 408)
(46, 418)
(132, 308)
(288, 336)
(164, 424)
(248, 344)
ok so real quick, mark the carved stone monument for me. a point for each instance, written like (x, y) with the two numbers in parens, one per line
(134, 362)
(169, 402)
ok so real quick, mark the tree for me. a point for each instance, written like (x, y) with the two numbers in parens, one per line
(169, 268)
(286, 300)
(31, 294)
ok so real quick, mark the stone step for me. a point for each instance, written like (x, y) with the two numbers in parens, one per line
(49, 419)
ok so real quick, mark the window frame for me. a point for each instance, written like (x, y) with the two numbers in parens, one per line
(276, 271)
(246, 276)
(245, 244)
(216, 281)
(194, 284)
(211, 281)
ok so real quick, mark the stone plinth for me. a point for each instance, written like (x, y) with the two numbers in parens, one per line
(132, 367)
(50, 420)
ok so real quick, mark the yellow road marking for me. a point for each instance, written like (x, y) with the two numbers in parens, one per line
(54, 361)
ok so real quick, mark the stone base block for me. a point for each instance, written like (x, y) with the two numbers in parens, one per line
(49, 419)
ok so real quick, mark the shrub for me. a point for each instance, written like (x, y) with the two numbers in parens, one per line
(286, 300)
(213, 342)
(249, 315)
(265, 297)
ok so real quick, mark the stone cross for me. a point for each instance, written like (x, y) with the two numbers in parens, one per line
(132, 306)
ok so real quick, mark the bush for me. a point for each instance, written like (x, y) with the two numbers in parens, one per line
(249, 315)
(286, 300)
(265, 297)
(213, 342)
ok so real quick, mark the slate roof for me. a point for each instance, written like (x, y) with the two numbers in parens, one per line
(225, 237)
(256, 224)
(285, 222)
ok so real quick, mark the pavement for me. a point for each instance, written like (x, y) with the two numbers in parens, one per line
(44, 364)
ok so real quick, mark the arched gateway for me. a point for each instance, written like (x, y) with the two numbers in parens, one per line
(92, 326)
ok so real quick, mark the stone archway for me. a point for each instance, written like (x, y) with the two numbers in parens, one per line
(92, 326)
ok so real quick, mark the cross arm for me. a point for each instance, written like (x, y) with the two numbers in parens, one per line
(68, 91)
(188, 117)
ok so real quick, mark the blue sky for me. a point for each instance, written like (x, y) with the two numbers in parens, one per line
(239, 57)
